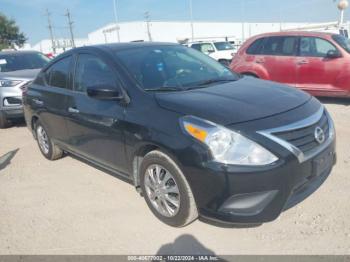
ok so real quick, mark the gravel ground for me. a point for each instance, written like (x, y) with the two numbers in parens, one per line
(69, 207)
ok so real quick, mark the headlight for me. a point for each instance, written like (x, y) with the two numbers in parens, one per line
(9, 83)
(227, 146)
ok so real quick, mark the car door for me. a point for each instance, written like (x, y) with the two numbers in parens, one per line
(278, 57)
(316, 72)
(52, 91)
(95, 126)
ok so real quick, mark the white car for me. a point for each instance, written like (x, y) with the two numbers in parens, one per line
(221, 51)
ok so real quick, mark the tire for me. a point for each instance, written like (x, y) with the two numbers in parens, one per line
(3, 121)
(46, 146)
(186, 212)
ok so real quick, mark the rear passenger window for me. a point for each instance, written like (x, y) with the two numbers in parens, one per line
(280, 46)
(57, 75)
(255, 47)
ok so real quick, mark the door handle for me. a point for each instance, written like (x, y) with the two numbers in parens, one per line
(303, 62)
(73, 110)
(38, 101)
(260, 61)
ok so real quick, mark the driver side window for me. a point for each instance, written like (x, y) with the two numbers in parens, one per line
(92, 71)
(315, 47)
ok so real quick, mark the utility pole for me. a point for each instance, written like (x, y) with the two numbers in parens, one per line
(70, 25)
(191, 17)
(243, 17)
(147, 19)
(53, 46)
(116, 18)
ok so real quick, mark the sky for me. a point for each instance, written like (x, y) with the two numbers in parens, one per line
(89, 15)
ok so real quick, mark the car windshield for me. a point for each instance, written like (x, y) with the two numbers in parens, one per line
(173, 68)
(21, 61)
(223, 46)
(342, 41)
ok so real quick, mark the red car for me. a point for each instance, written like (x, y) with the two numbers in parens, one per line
(318, 63)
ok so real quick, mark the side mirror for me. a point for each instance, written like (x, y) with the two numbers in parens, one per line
(104, 93)
(333, 54)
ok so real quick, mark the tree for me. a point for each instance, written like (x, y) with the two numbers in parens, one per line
(10, 36)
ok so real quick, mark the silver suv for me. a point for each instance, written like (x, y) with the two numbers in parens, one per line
(17, 71)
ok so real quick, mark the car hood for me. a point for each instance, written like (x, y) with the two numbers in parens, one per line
(234, 102)
(28, 74)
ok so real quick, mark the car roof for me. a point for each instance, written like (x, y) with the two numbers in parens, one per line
(295, 33)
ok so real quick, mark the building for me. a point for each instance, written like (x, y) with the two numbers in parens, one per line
(178, 31)
(173, 31)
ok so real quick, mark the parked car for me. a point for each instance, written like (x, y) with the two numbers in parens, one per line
(193, 137)
(17, 70)
(318, 63)
(221, 51)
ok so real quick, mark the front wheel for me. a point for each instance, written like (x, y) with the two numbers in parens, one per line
(166, 190)
(46, 146)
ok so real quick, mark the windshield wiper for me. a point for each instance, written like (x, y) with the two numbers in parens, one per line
(164, 89)
(208, 82)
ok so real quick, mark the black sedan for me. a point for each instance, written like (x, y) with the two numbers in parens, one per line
(194, 138)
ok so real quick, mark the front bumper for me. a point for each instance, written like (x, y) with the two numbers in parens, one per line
(249, 195)
(13, 112)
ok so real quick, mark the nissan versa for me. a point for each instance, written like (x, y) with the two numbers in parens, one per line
(195, 139)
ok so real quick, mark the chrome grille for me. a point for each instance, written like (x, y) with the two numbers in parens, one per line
(299, 137)
(304, 138)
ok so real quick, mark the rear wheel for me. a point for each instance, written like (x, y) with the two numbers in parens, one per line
(3, 120)
(46, 146)
(166, 190)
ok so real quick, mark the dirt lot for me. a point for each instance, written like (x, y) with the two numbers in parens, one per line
(68, 207)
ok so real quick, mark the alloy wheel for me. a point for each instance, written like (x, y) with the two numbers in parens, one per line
(162, 190)
(43, 140)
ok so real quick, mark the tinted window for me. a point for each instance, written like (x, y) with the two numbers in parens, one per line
(204, 48)
(342, 41)
(92, 71)
(21, 61)
(57, 75)
(279, 46)
(315, 47)
(255, 47)
(223, 46)
(196, 46)
(171, 67)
